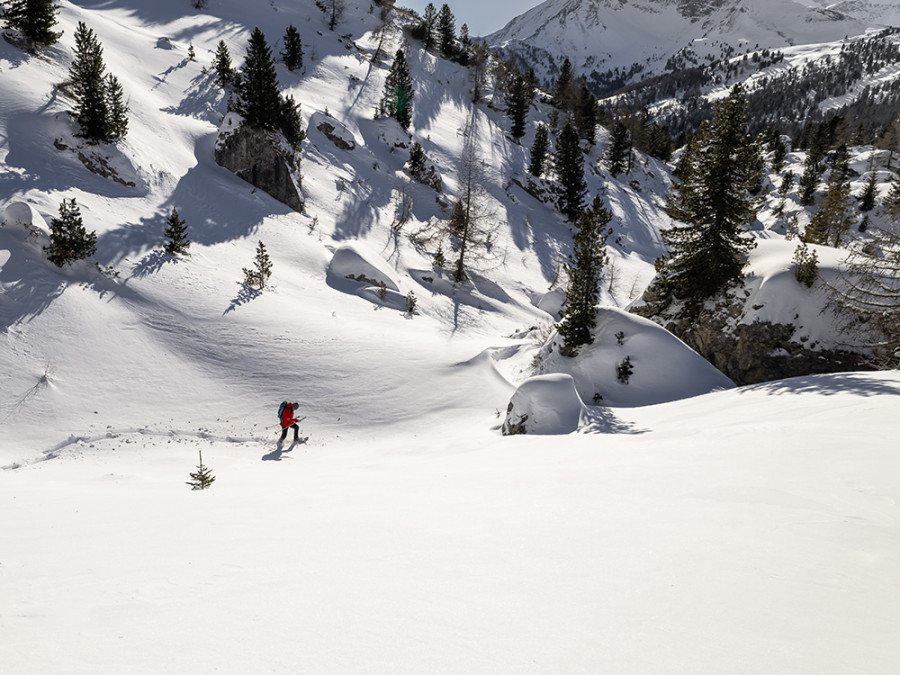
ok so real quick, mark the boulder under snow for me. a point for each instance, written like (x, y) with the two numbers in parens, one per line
(544, 404)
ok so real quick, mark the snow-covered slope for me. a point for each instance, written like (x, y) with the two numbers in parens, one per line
(736, 531)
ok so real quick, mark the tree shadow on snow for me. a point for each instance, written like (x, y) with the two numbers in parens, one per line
(152, 263)
(245, 295)
(602, 420)
(859, 383)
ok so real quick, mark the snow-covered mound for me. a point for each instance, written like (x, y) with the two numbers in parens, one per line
(544, 404)
(772, 292)
(24, 218)
(662, 367)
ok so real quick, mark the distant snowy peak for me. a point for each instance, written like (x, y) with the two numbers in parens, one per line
(639, 36)
(876, 12)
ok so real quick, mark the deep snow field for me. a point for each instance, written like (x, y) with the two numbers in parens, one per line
(691, 527)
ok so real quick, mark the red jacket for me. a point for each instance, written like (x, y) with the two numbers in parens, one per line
(287, 416)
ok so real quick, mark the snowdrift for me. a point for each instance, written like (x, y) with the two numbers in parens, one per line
(663, 367)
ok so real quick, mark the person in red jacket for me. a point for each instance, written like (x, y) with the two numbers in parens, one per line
(288, 421)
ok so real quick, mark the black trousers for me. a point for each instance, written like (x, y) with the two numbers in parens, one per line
(296, 432)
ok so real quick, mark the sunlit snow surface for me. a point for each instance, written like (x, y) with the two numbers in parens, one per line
(741, 530)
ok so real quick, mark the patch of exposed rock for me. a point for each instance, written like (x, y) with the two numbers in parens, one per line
(750, 353)
(263, 159)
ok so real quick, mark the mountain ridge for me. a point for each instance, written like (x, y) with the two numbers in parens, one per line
(640, 36)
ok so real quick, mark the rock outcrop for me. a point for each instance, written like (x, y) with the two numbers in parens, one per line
(263, 159)
(750, 353)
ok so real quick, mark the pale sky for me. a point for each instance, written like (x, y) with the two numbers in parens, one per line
(482, 16)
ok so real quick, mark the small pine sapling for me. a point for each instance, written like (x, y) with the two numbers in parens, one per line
(381, 291)
(624, 370)
(411, 303)
(69, 240)
(202, 478)
(439, 260)
(806, 265)
(176, 233)
(225, 72)
(257, 276)
(869, 193)
(620, 338)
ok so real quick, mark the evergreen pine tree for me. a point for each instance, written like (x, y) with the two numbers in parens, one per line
(202, 478)
(812, 172)
(869, 193)
(291, 123)
(446, 31)
(34, 19)
(260, 100)
(806, 265)
(787, 182)
(428, 27)
(779, 153)
(89, 86)
(258, 275)
(292, 54)
(714, 201)
(176, 233)
(585, 269)
(569, 165)
(465, 45)
(117, 109)
(416, 163)
(835, 218)
(225, 72)
(517, 106)
(840, 164)
(398, 91)
(586, 113)
(539, 150)
(563, 87)
(69, 240)
(660, 143)
(619, 149)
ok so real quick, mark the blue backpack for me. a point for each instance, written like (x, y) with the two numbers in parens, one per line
(281, 408)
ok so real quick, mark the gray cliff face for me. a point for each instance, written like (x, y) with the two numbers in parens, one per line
(257, 157)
